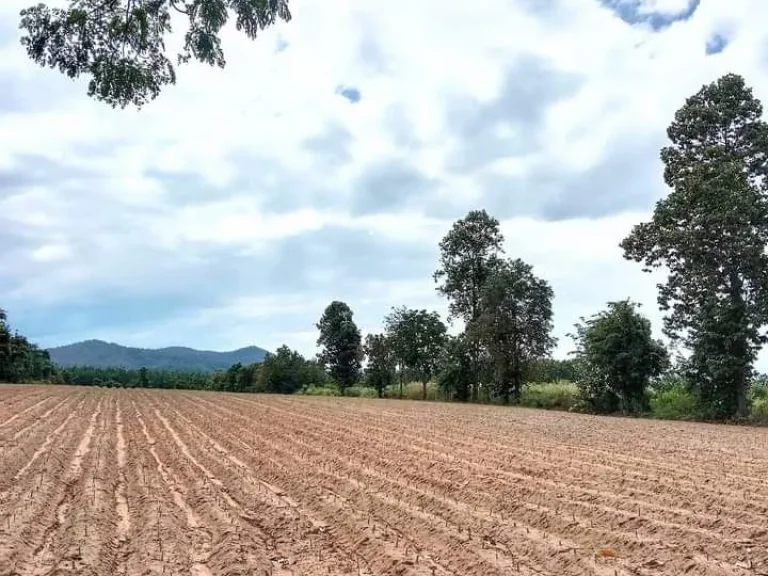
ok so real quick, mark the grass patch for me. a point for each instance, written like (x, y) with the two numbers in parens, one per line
(360, 392)
(551, 396)
(758, 411)
(320, 391)
(413, 391)
(357, 391)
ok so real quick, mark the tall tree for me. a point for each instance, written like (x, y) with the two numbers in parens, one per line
(710, 233)
(418, 337)
(468, 255)
(380, 371)
(341, 345)
(617, 357)
(515, 324)
(120, 44)
(398, 345)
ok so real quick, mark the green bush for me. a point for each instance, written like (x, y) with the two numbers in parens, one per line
(320, 391)
(758, 410)
(674, 402)
(668, 380)
(551, 396)
(758, 390)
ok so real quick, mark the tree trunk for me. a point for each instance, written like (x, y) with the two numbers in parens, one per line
(516, 387)
(741, 397)
(475, 358)
(740, 346)
(401, 382)
(424, 390)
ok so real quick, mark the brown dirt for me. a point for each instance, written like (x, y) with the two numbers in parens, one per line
(135, 482)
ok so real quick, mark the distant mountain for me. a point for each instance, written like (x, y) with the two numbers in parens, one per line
(105, 354)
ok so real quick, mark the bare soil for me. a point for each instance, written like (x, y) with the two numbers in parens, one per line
(141, 482)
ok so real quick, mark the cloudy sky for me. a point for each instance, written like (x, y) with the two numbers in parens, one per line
(330, 156)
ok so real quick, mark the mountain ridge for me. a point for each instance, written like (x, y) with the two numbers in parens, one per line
(101, 354)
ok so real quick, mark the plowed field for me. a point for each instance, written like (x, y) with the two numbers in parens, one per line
(99, 481)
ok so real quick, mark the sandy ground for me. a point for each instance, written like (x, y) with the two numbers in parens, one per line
(99, 481)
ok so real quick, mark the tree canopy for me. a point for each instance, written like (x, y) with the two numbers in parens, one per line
(121, 44)
(21, 360)
(618, 356)
(710, 233)
(417, 337)
(514, 324)
(468, 254)
(287, 372)
(455, 368)
(341, 344)
(380, 371)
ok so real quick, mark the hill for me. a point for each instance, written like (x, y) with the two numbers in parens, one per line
(105, 354)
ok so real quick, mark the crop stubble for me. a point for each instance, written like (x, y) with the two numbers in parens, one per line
(100, 481)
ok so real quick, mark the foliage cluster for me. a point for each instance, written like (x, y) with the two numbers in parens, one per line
(120, 44)
(20, 360)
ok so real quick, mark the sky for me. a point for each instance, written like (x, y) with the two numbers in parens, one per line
(331, 155)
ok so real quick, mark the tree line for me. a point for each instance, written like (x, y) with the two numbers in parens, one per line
(709, 234)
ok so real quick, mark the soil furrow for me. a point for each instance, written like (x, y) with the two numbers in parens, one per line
(133, 482)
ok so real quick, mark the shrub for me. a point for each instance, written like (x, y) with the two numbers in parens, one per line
(320, 391)
(551, 396)
(668, 380)
(674, 402)
(758, 410)
(758, 390)
(616, 357)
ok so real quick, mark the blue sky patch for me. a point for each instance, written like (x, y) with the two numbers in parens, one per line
(281, 44)
(350, 93)
(631, 12)
(716, 44)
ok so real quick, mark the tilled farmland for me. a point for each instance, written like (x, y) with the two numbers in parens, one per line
(102, 481)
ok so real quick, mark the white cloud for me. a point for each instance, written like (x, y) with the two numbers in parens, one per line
(51, 252)
(89, 219)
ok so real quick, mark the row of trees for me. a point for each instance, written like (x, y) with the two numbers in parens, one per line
(615, 360)
(285, 372)
(132, 378)
(709, 234)
(505, 309)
